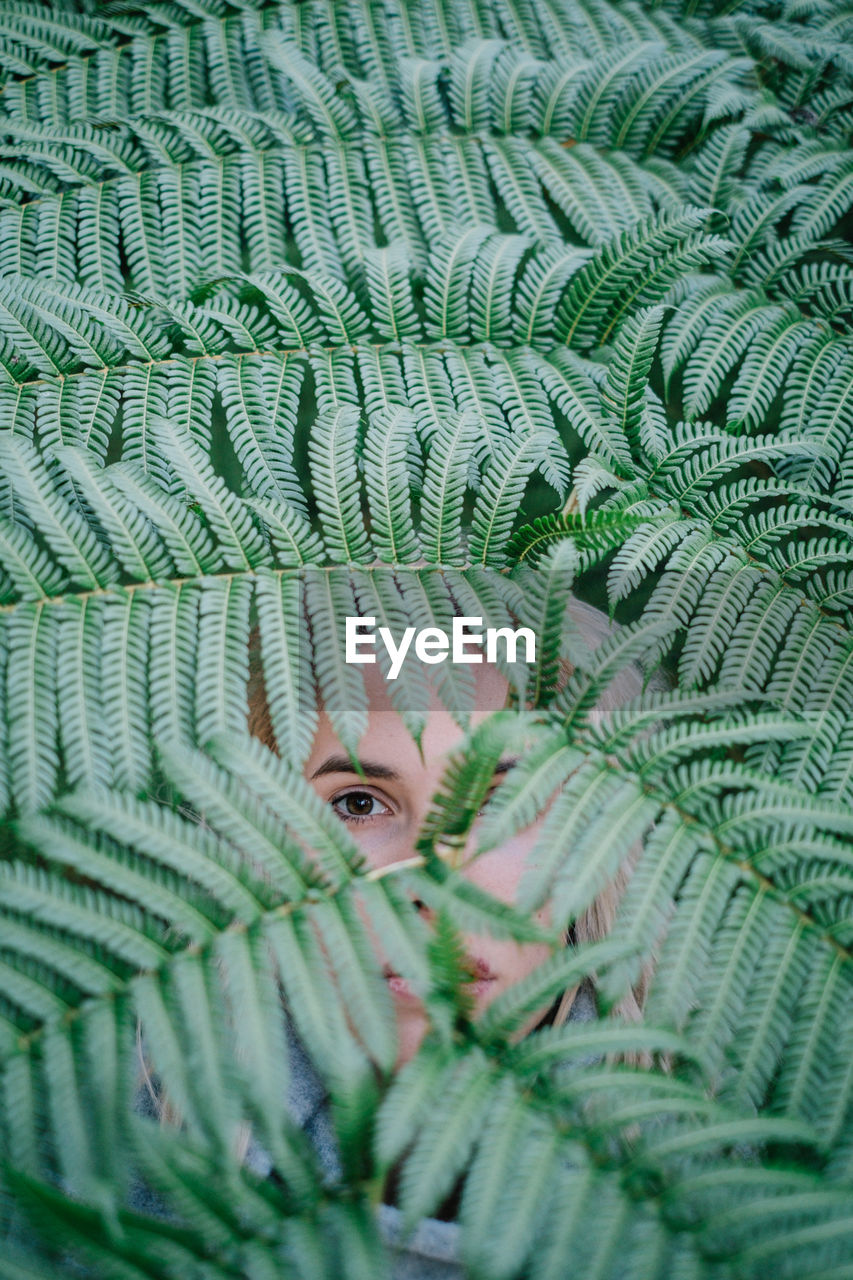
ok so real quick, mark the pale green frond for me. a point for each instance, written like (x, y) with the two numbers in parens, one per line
(286, 663)
(518, 187)
(557, 87)
(85, 745)
(173, 631)
(124, 648)
(261, 398)
(523, 400)
(387, 447)
(635, 266)
(298, 325)
(223, 668)
(421, 102)
(343, 317)
(715, 179)
(512, 82)
(135, 543)
(469, 81)
(697, 303)
(653, 91)
(584, 840)
(189, 857)
(567, 380)
(189, 543)
(224, 800)
(312, 998)
(763, 372)
(441, 1151)
(590, 207)
(492, 288)
(505, 480)
(80, 410)
(31, 747)
(304, 177)
(45, 898)
(240, 543)
(328, 601)
(31, 571)
(829, 201)
(643, 551)
(392, 310)
(444, 488)
(387, 161)
(629, 368)
(337, 490)
(428, 388)
(65, 529)
(447, 283)
(290, 532)
(524, 794)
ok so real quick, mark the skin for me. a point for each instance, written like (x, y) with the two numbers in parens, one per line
(385, 811)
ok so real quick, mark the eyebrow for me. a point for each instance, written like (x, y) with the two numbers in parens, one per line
(373, 769)
(343, 764)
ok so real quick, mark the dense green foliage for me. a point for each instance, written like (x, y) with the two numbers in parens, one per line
(553, 293)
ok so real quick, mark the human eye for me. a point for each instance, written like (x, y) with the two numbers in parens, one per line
(500, 774)
(487, 799)
(357, 805)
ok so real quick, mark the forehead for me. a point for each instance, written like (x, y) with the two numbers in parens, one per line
(387, 736)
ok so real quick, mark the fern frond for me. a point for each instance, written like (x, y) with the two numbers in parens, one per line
(639, 265)
(329, 599)
(447, 283)
(469, 83)
(492, 287)
(242, 546)
(261, 398)
(392, 309)
(30, 570)
(31, 747)
(764, 369)
(329, 112)
(332, 456)
(65, 530)
(517, 187)
(628, 371)
(567, 380)
(444, 486)
(387, 446)
(135, 543)
(190, 545)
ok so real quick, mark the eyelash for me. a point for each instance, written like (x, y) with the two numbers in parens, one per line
(486, 799)
(355, 817)
(366, 817)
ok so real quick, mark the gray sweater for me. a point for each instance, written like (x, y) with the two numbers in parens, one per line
(431, 1252)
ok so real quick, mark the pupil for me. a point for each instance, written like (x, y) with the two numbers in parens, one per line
(358, 803)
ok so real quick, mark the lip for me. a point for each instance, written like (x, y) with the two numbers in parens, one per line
(481, 979)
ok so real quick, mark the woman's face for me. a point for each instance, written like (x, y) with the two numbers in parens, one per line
(385, 810)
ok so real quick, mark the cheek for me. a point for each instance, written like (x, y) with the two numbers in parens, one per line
(511, 963)
(500, 871)
(382, 842)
